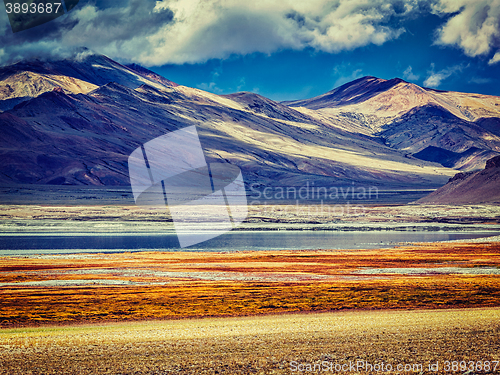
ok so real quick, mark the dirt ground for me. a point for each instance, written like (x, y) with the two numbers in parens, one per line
(467, 339)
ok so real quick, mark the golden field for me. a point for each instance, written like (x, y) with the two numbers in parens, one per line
(271, 344)
(163, 285)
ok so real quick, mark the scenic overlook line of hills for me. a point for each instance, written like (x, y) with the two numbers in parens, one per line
(76, 121)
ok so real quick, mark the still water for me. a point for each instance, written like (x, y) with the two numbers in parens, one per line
(231, 241)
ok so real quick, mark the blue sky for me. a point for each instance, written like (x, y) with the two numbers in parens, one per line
(282, 49)
(289, 74)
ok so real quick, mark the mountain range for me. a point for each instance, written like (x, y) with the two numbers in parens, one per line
(76, 121)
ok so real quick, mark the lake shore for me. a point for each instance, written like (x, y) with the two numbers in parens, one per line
(133, 219)
(250, 312)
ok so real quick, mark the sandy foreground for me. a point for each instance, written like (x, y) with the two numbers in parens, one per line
(275, 344)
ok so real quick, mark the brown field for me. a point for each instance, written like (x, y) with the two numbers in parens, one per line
(153, 285)
(161, 313)
(273, 344)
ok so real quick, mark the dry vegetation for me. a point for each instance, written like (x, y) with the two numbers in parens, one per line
(145, 307)
(255, 345)
(156, 285)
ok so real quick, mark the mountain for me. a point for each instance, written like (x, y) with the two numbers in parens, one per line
(76, 121)
(470, 188)
(150, 75)
(413, 119)
(86, 139)
(354, 92)
(28, 79)
(394, 97)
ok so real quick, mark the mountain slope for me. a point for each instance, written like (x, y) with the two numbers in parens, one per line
(26, 80)
(388, 98)
(470, 188)
(81, 128)
(22, 86)
(357, 91)
(88, 138)
(410, 118)
(85, 138)
(150, 75)
(432, 125)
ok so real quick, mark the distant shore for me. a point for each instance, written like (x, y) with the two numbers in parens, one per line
(26, 218)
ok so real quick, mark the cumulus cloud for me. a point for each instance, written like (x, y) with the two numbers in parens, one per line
(119, 30)
(409, 75)
(205, 30)
(474, 25)
(157, 32)
(435, 78)
(494, 59)
(178, 31)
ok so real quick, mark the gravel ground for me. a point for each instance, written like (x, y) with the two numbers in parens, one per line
(275, 344)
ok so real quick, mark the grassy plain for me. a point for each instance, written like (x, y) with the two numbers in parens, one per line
(159, 285)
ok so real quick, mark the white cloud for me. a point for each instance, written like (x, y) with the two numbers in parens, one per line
(474, 25)
(154, 32)
(120, 31)
(409, 75)
(210, 87)
(242, 83)
(435, 79)
(204, 30)
(494, 59)
(145, 32)
(480, 80)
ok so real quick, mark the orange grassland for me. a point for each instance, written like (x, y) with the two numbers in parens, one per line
(174, 285)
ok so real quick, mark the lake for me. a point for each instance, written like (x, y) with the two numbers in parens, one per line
(23, 244)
